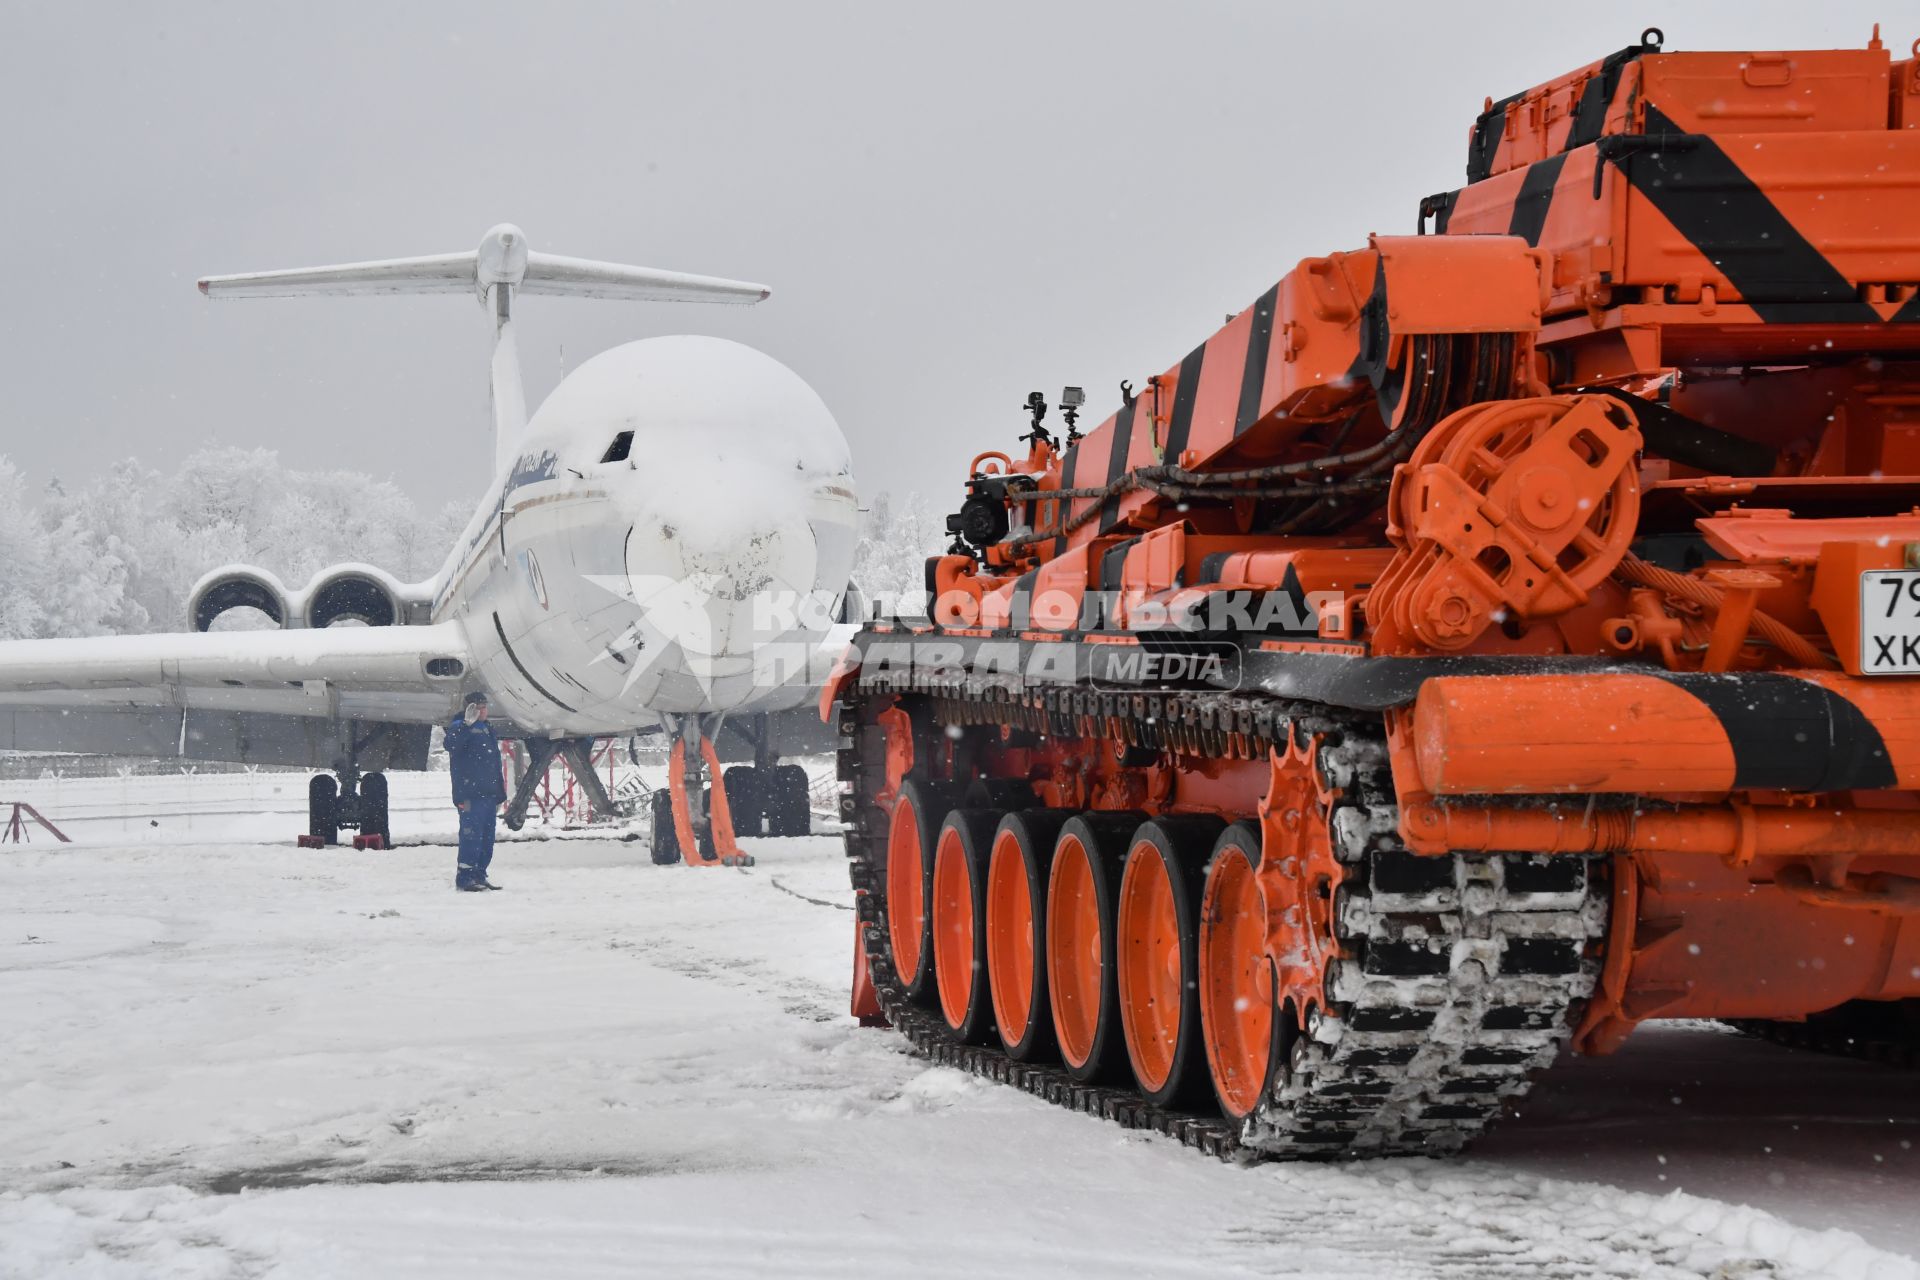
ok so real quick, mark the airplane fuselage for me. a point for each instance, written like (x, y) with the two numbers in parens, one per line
(671, 538)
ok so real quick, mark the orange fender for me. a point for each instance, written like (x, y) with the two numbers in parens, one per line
(866, 1001)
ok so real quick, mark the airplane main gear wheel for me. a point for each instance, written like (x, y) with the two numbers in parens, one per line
(789, 804)
(911, 836)
(746, 798)
(1157, 949)
(373, 807)
(663, 837)
(323, 812)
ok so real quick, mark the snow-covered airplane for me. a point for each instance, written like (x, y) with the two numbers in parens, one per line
(666, 544)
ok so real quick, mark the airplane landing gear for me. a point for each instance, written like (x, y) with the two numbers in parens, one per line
(701, 821)
(769, 799)
(665, 839)
(347, 798)
(789, 804)
(323, 810)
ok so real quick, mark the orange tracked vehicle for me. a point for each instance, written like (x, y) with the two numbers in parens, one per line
(1489, 639)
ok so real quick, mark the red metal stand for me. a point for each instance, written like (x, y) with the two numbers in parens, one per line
(17, 830)
(564, 801)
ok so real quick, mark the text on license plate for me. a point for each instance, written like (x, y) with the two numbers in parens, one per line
(1890, 622)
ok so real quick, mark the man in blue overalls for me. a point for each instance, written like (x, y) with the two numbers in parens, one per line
(478, 790)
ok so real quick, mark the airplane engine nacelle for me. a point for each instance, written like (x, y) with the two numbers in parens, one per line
(342, 593)
(359, 593)
(237, 586)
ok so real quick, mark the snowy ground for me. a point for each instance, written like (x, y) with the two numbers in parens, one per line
(225, 1057)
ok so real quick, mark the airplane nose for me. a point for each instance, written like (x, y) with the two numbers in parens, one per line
(720, 582)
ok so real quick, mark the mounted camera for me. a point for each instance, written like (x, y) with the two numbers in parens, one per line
(1071, 398)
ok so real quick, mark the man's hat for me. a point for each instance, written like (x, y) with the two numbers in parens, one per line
(475, 699)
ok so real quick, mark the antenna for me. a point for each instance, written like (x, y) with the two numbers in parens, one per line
(501, 267)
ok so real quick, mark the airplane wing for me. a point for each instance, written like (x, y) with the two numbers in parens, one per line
(279, 697)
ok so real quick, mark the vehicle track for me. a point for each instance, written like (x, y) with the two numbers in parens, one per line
(1460, 978)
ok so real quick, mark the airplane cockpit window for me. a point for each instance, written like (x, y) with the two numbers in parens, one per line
(617, 451)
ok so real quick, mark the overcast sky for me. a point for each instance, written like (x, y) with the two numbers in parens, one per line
(955, 204)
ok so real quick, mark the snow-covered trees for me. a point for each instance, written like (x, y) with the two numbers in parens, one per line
(119, 553)
(23, 555)
(889, 562)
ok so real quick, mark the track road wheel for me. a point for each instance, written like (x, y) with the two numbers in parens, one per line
(1157, 950)
(911, 837)
(959, 919)
(1236, 979)
(1016, 930)
(665, 840)
(1083, 888)
(323, 813)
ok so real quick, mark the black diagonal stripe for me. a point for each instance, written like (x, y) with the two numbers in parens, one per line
(1707, 198)
(1183, 396)
(1254, 376)
(1908, 313)
(1020, 610)
(1790, 734)
(1590, 115)
(1306, 620)
(1117, 460)
(1067, 469)
(521, 667)
(1535, 198)
(1485, 142)
(1112, 563)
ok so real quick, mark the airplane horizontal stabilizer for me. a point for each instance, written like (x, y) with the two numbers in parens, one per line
(439, 273)
(502, 258)
(577, 277)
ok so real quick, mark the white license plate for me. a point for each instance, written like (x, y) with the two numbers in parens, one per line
(1890, 622)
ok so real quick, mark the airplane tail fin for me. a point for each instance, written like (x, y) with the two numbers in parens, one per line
(501, 267)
